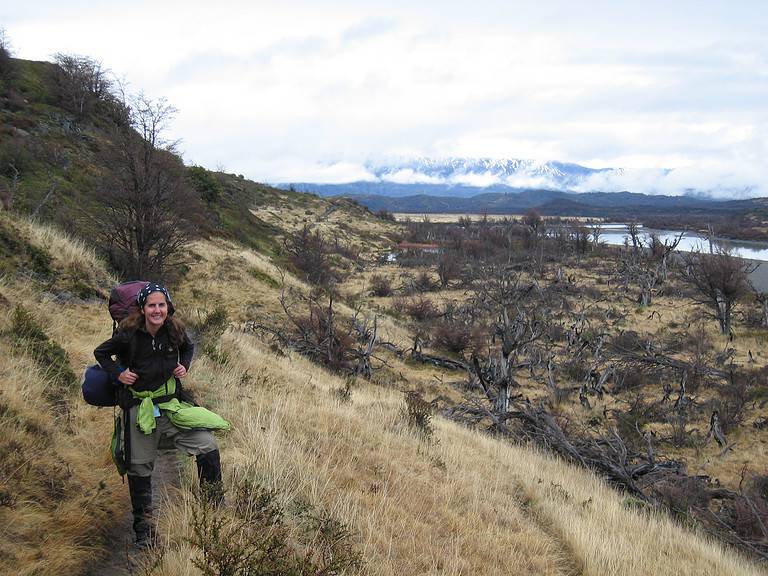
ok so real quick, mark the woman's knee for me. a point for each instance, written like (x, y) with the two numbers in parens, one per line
(143, 469)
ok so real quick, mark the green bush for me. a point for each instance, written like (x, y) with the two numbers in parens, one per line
(252, 538)
(214, 324)
(206, 183)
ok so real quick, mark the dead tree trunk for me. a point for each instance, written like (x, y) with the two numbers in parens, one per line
(715, 431)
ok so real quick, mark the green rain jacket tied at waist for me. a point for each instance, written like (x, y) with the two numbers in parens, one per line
(181, 414)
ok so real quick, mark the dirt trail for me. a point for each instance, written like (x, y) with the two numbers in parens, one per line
(570, 564)
(121, 555)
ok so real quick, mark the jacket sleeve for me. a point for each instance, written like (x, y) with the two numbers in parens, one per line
(117, 346)
(186, 351)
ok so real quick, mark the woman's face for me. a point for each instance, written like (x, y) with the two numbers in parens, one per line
(155, 311)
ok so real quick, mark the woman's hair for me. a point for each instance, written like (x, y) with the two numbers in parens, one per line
(135, 320)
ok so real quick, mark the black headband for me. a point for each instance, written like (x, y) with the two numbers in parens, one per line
(144, 293)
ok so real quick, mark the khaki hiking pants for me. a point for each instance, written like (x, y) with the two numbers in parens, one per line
(144, 446)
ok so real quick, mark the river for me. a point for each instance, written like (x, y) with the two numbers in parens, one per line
(615, 234)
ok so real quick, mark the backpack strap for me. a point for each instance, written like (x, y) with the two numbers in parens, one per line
(127, 438)
(131, 349)
(127, 404)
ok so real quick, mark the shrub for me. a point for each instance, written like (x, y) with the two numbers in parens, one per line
(683, 494)
(206, 184)
(17, 254)
(6, 63)
(452, 335)
(381, 286)
(418, 414)
(448, 268)
(734, 397)
(421, 309)
(384, 214)
(344, 393)
(252, 542)
(750, 511)
(215, 323)
(347, 250)
(423, 282)
(309, 253)
(253, 538)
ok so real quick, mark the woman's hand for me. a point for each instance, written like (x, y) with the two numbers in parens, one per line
(127, 377)
(179, 371)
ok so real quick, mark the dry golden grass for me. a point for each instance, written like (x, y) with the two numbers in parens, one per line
(248, 285)
(59, 486)
(464, 503)
(336, 218)
(67, 251)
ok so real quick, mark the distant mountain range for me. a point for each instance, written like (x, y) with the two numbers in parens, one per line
(460, 177)
(595, 204)
(513, 186)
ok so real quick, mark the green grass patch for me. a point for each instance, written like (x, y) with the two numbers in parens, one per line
(263, 277)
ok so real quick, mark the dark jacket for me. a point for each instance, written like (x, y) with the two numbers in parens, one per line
(153, 359)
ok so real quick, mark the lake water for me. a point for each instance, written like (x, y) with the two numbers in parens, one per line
(616, 234)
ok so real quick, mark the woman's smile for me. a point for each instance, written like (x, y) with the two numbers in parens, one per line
(155, 311)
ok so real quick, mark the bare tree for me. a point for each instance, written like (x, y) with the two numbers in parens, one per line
(309, 252)
(595, 231)
(762, 298)
(646, 263)
(580, 238)
(633, 229)
(148, 212)
(661, 250)
(448, 267)
(720, 280)
(8, 194)
(6, 65)
(83, 81)
(317, 331)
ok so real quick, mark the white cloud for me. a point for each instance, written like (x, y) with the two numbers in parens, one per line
(339, 172)
(315, 89)
(408, 176)
(482, 179)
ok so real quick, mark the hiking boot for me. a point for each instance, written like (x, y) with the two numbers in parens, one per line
(209, 472)
(140, 488)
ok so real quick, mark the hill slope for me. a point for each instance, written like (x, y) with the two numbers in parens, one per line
(458, 502)
(55, 162)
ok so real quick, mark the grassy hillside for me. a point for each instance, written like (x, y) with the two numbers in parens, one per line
(53, 162)
(352, 465)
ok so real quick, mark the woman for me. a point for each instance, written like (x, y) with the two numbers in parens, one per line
(152, 352)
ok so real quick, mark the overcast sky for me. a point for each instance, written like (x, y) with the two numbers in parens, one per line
(675, 92)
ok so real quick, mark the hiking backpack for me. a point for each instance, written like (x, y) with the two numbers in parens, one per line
(97, 384)
(122, 301)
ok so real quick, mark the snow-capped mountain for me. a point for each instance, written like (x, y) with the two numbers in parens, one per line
(463, 177)
(466, 177)
(483, 172)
